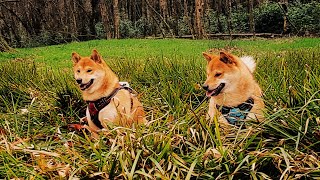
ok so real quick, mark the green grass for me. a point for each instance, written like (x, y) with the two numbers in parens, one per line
(59, 55)
(178, 143)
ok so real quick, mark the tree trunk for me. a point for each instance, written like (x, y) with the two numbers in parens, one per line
(90, 21)
(164, 9)
(160, 19)
(175, 12)
(116, 19)
(218, 10)
(62, 16)
(4, 47)
(251, 19)
(206, 4)
(198, 17)
(134, 11)
(144, 9)
(165, 15)
(105, 18)
(73, 20)
(150, 4)
(284, 5)
(187, 18)
(228, 4)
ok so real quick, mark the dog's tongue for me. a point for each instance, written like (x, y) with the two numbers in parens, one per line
(83, 86)
(209, 93)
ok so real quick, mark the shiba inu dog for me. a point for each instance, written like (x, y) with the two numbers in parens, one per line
(108, 100)
(234, 94)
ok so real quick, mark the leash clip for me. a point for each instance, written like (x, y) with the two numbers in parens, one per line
(124, 84)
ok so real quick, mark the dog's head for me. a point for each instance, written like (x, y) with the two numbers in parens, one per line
(223, 73)
(88, 71)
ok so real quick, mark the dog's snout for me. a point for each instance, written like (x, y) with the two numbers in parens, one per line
(79, 81)
(205, 87)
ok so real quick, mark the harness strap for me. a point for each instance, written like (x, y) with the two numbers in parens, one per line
(96, 106)
(234, 114)
(94, 114)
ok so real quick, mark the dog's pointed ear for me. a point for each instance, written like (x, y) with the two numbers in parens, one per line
(207, 56)
(95, 56)
(226, 58)
(75, 57)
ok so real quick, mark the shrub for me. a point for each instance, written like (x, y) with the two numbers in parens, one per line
(183, 28)
(45, 38)
(58, 38)
(211, 22)
(173, 24)
(127, 29)
(240, 20)
(305, 17)
(268, 18)
(143, 27)
(101, 34)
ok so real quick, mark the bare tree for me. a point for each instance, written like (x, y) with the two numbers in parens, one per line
(116, 19)
(251, 19)
(21, 20)
(164, 9)
(229, 7)
(284, 5)
(187, 18)
(105, 18)
(198, 18)
(218, 13)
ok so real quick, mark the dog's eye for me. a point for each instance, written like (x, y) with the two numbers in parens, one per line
(217, 74)
(78, 71)
(89, 70)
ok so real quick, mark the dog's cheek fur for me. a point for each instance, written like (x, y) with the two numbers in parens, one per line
(230, 75)
(98, 81)
(211, 82)
(231, 79)
(75, 73)
(97, 74)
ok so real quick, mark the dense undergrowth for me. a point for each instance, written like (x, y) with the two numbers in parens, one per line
(37, 102)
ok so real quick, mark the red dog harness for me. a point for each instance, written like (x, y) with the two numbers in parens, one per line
(96, 106)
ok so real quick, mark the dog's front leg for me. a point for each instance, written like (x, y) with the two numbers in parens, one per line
(212, 109)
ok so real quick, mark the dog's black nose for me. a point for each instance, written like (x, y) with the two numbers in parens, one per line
(79, 81)
(205, 87)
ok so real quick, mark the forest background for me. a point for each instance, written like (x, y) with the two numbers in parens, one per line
(30, 23)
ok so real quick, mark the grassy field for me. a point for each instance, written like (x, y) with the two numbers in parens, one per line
(38, 98)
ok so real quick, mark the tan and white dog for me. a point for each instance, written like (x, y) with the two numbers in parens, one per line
(234, 94)
(108, 100)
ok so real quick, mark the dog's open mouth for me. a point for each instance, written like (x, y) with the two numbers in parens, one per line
(86, 86)
(215, 91)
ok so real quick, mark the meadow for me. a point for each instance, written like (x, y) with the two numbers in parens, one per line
(39, 98)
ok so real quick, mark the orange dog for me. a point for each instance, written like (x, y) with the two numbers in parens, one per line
(108, 100)
(234, 94)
